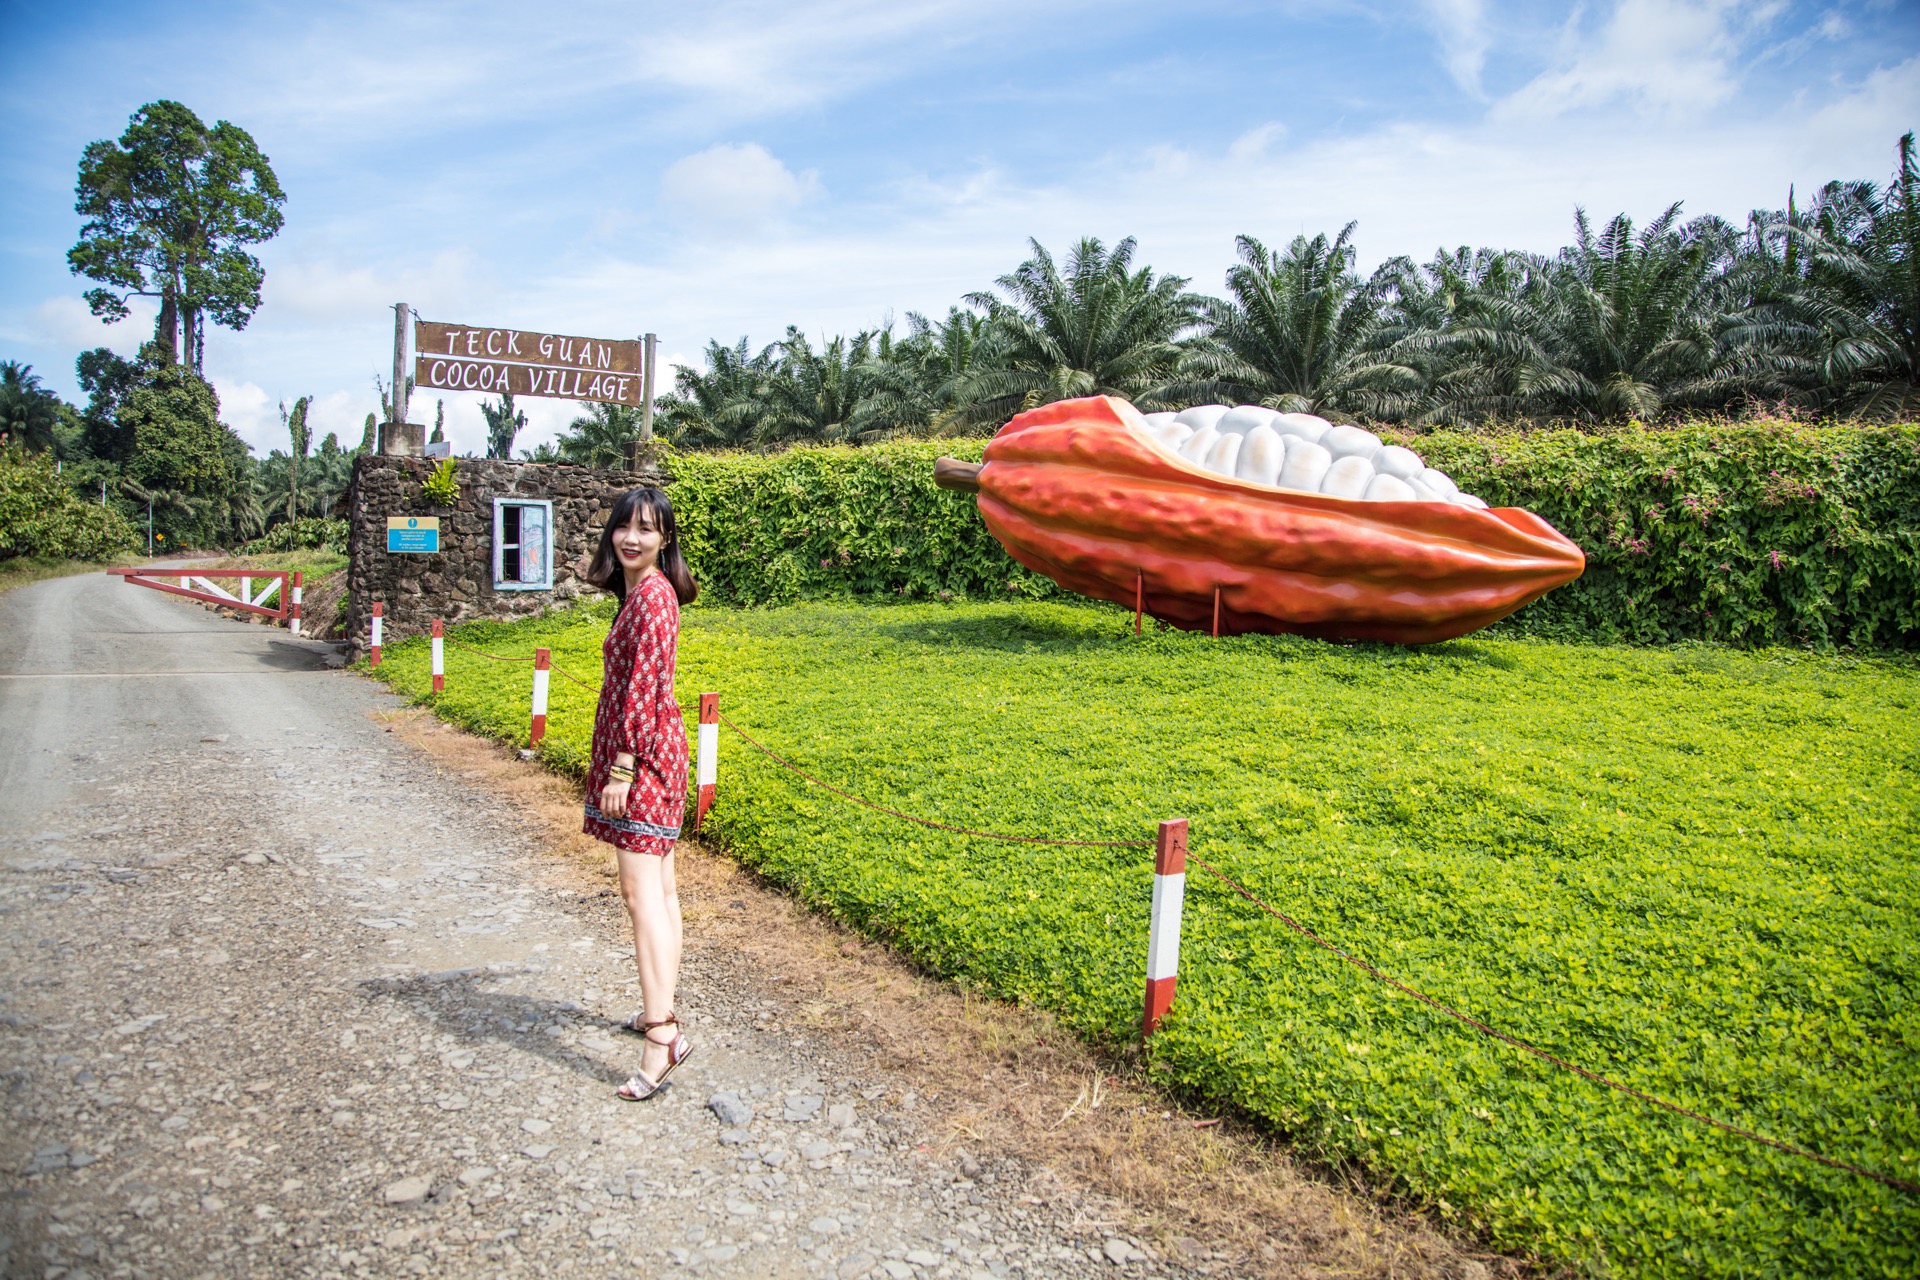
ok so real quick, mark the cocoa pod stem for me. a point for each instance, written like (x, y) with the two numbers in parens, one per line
(962, 477)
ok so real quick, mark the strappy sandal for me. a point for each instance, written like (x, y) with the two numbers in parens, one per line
(639, 1087)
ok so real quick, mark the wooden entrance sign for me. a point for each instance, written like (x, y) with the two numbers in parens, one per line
(457, 357)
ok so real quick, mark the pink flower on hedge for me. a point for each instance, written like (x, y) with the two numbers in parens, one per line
(1777, 559)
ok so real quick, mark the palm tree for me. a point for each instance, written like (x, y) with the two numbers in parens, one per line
(813, 395)
(715, 407)
(329, 476)
(184, 511)
(915, 383)
(27, 411)
(1844, 329)
(1302, 333)
(1618, 326)
(599, 437)
(1100, 329)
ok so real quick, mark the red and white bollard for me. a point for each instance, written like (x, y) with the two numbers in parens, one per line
(439, 659)
(293, 623)
(378, 608)
(541, 664)
(1163, 935)
(708, 757)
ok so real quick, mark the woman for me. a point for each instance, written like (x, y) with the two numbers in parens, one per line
(637, 783)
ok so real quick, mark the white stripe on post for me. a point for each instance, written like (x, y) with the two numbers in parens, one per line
(709, 757)
(378, 608)
(540, 664)
(439, 659)
(294, 623)
(1163, 935)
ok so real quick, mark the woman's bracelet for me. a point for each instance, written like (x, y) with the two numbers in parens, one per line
(620, 772)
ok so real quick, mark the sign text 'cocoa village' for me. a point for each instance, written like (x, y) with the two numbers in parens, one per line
(456, 357)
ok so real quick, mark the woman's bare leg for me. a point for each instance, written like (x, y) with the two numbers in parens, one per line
(647, 885)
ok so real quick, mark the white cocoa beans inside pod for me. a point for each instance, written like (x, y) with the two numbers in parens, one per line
(1263, 451)
(1197, 445)
(1204, 415)
(1352, 442)
(1348, 477)
(1306, 466)
(1304, 425)
(1224, 458)
(1399, 462)
(1301, 451)
(1244, 418)
(1386, 488)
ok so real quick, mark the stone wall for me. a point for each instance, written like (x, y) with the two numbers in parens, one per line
(455, 584)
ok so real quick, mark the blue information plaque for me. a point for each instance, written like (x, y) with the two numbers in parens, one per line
(413, 533)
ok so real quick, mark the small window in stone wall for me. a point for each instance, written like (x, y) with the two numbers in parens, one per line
(522, 545)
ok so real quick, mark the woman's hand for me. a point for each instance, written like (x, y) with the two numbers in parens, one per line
(613, 799)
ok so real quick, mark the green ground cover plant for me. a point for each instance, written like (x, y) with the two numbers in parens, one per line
(1762, 533)
(1691, 868)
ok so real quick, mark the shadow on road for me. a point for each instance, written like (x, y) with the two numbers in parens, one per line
(460, 1005)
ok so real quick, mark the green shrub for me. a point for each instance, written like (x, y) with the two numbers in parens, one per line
(308, 533)
(1754, 534)
(1764, 534)
(40, 516)
(838, 521)
(1692, 869)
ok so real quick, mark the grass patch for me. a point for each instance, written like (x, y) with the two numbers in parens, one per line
(19, 571)
(1688, 867)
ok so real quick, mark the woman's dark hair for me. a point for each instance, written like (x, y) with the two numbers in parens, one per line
(604, 570)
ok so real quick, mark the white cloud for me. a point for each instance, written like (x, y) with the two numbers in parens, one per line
(1460, 26)
(1663, 56)
(252, 413)
(1256, 141)
(67, 322)
(736, 184)
(324, 290)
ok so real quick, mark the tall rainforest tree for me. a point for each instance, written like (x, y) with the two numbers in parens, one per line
(1302, 332)
(1098, 329)
(169, 209)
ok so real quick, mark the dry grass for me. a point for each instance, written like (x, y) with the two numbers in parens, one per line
(999, 1080)
(24, 570)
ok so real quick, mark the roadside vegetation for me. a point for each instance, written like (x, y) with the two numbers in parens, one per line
(1690, 868)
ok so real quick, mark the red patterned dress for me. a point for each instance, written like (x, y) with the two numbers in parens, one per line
(638, 714)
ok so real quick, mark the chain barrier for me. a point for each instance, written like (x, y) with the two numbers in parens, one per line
(926, 822)
(491, 657)
(1897, 1184)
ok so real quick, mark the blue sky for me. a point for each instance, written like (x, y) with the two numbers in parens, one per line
(707, 171)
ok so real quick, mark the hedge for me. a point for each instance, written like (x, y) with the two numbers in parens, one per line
(1755, 534)
(41, 517)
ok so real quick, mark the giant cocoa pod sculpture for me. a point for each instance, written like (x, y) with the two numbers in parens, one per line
(1163, 514)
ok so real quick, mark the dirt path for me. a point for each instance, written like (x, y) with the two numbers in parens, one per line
(293, 983)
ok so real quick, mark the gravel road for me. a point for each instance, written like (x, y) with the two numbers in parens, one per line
(281, 996)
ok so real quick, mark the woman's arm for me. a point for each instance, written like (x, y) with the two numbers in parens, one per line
(652, 672)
